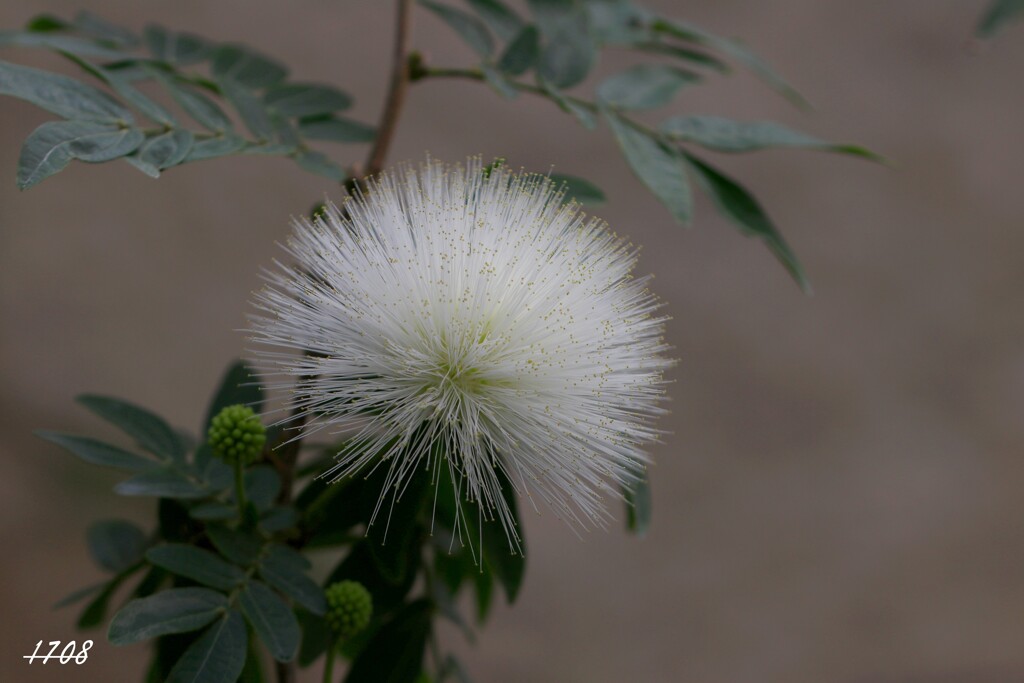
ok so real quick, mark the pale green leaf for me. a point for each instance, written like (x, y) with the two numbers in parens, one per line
(469, 28)
(61, 95)
(737, 204)
(657, 165)
(645, 86)
(302, 100)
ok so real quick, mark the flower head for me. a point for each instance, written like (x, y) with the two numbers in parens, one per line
(471, 322)
(237, 435)
(349, 608)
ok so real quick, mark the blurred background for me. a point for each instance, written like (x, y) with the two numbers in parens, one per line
(841, 496)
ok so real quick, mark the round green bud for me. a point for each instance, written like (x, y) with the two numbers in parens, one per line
(349, 608)
(236, 435)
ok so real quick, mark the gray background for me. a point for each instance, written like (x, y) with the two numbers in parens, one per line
(841, 497)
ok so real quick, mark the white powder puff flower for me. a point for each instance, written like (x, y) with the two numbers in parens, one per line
(462, 320)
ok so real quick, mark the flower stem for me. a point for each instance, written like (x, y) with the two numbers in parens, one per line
(396, 91)
(240, 491)
(329, 664)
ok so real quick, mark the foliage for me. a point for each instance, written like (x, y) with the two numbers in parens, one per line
(223, 574)
(997, 15)
(213, 579)
(557, 48)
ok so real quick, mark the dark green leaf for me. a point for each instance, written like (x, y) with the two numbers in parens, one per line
(150, 583)
(483, 587)
(61, 95)
(213, 511)
(502, 20)
(80, 594)
(282, 573)
(218, 656)
(645, 86)
(391, 536)
(116, 545)
(743, 209)
(252, 672)
(469, 28)
(726, 135)
(638, 503)
(54, 144)
(657, 165)
(217, 474)
(211, 148)
(175, 524)
(330, 510)
(336, 129)
(300, 100)
(96, 611)
(177, 610)
(734, 49)
(99, 453)
(197, 564)
(999, 12)
(46, 22)
(360, 566)
(318, 163)
(279, 519)
(583, 191)
(246, 67)
(250, 108)
(272, 619)
(395, 653)
(239, 547)
(167, 650)
(175, 48)
(168, 149)
(316, 636)
(150, 431)
(521, 53)
(162, 483)
(507, 563)
(262, 484)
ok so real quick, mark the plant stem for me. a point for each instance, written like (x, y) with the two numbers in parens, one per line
(396, 91)
(240, 491)
(329, 664)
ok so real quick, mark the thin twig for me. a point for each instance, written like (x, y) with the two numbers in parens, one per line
(396, 91)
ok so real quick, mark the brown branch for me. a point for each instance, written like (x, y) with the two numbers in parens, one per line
(396, 91)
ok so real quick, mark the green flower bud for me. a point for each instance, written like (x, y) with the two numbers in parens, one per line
(236, 435)
(349, 608)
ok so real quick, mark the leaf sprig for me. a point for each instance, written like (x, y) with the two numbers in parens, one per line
(561, 46)
(202, 78)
